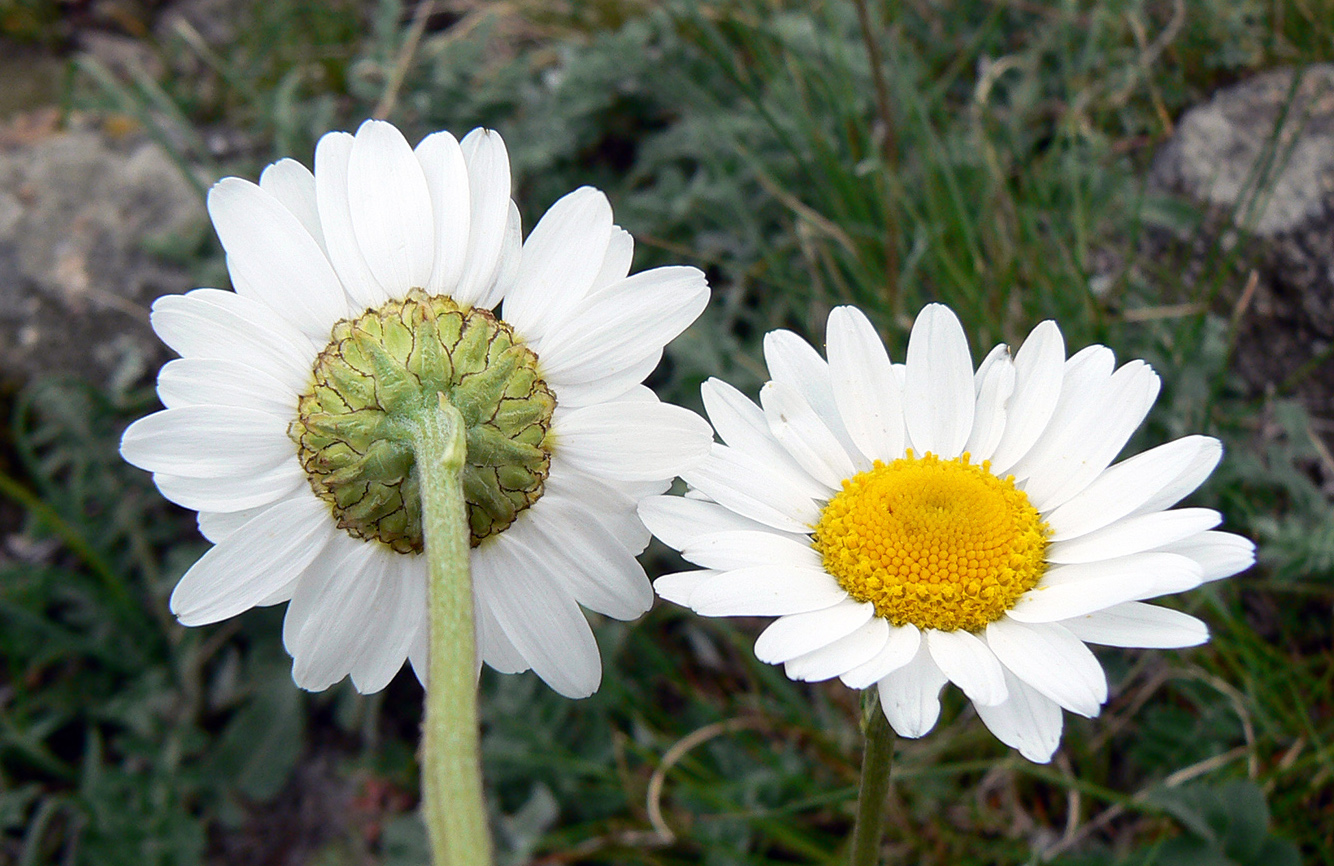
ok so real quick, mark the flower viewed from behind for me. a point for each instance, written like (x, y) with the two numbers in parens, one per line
(917, 524)
(363, 290)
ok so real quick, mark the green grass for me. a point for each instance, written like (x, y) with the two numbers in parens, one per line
(993, 160)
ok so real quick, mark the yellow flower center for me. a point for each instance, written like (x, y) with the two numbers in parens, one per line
(941, 544)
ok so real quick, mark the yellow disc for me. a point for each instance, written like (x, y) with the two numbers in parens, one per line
(941, 544)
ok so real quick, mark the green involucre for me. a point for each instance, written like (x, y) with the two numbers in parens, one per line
(383, 369)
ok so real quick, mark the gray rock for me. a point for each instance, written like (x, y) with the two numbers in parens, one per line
(1226, 153)
(1259, 159)
(79, 213)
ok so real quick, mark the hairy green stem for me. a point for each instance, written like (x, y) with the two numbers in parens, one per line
(451, 766)
(877, 759)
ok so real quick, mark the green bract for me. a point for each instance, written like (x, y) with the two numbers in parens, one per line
(384, 368)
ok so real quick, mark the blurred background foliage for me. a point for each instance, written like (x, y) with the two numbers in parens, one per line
(990, 154)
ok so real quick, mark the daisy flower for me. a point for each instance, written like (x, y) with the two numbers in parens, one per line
(362, 291)
(917, 524)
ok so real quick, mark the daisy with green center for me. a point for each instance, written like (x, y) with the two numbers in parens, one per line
(917, 524)
(364, 290)
(424, 434)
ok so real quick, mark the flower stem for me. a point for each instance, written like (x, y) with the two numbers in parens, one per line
(451, 765)
(877, 759)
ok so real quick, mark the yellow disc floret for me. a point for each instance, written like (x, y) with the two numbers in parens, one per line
(941, 544)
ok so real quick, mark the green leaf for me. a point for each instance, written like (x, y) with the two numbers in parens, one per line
(263, 741)
(1229, 823)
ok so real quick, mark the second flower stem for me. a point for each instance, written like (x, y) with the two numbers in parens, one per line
(877, 760)
(451, 765)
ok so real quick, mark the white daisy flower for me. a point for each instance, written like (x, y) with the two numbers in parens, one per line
(362, 290)
(917, 524)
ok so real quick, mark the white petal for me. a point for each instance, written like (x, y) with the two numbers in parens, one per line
(446, 175)
(217, 525)
(754, 489)
(1170, 572)
(1219, 554)
(804, 435)
(250, 285)
(263, 555)
(232, 494)
(1073, 590)
(609, 388)
(198, 381)
(1136, 624)
(677, 521)
(614, 330)
(216, 325)
(739, 549)
(490, 223)
(968, 663)
(396, 614)
(332, 158)
(391, 208)
(292, 184)
(280, 595)
(639, 394)
(767, 590)
(616, 263)
(910, 696)
(611, 507)
(1081, 450)
(742, 425)
(1084, 384)
(677, 587)
(1186, 481)
(900, 648)
(637, 490)
(1085, 370)
(847, 653)
(1159, 477)
(493, 645)
(561, 258)
(1052, 660)
(585, 557)
(938, 394)
(632, 441)
(865, 388)
(311, 582)
(1027, 720)
(334, 630)
(790, 636)
(419, 652)
(1135, 535)
(1039, 367)
(507, 269)
(792, 360)
(538, 616)
(277, 257)
(207, 442)
(995, 385)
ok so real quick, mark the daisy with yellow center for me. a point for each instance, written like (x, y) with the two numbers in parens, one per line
(922, 523)
(938, 543)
